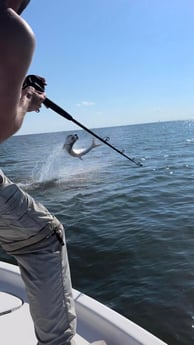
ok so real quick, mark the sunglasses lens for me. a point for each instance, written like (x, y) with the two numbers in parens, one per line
(23, 6)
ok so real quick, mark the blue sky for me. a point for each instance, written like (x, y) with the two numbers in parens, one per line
(113, 62)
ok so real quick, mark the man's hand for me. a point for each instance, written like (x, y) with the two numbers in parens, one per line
(31, 99)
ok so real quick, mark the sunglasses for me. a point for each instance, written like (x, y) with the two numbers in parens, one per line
(23, 6)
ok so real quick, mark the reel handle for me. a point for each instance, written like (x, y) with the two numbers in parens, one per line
(35, 81)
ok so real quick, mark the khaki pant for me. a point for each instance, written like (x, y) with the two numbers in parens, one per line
(43, 262)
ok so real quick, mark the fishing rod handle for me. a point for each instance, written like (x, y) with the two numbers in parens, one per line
(50, 104)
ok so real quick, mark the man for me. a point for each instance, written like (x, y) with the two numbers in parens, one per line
(28, 231)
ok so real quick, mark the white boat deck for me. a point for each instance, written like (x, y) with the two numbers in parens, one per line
(95, 320)
(17, 333)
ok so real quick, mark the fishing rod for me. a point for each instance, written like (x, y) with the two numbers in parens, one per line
(39, 84)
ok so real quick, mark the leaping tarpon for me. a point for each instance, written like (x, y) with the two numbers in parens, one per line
(70, 141)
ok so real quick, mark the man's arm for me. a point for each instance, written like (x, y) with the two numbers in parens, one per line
(30, 100)
(17, 45)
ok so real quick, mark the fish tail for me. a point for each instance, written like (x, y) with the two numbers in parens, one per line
(94, 144)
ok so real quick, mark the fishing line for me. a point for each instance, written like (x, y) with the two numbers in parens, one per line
(39, 84)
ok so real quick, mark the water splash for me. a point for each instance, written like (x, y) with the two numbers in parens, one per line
(50, 169)
(59, 168)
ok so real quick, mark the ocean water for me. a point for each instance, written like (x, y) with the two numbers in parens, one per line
(129, 229)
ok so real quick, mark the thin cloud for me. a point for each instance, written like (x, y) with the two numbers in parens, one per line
(85, 104)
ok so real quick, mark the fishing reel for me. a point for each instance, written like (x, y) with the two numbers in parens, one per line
(35, 81)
